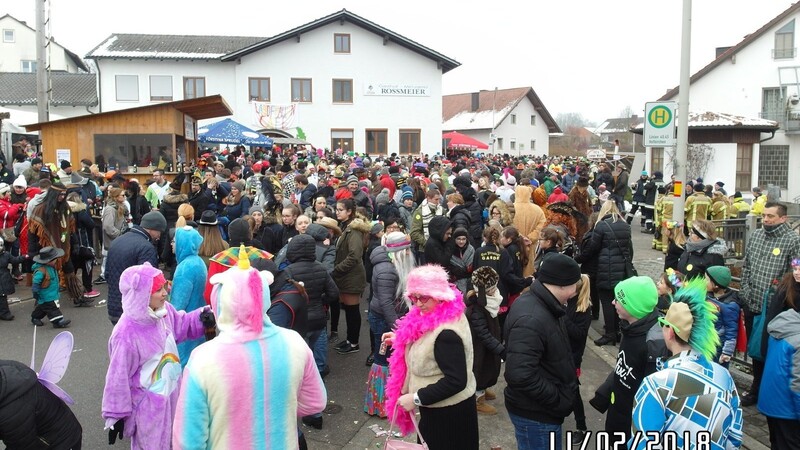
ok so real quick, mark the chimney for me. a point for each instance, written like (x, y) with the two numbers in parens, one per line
(476, 101)
(721, 50)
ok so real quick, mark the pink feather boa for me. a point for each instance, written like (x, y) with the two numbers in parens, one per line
(409, 329)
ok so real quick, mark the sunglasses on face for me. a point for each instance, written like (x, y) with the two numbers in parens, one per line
(417, 298)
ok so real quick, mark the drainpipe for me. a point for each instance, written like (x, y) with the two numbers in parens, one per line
(99, 88)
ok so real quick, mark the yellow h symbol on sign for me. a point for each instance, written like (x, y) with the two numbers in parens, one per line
(660, 116)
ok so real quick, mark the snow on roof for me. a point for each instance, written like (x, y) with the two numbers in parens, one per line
(715, 119)
(476, 120)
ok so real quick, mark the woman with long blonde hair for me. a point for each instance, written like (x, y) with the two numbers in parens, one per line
(578, 320)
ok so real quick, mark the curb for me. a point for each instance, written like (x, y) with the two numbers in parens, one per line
(747, 441)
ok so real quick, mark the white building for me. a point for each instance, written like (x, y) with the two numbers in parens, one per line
(344, 81)
(519, 120)
(758, 77)
(73, 89)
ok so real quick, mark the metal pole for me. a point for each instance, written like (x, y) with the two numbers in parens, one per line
(494, 101)
(41, 64)
(681, 150)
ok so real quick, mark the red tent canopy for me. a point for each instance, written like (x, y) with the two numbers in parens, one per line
(463, 142)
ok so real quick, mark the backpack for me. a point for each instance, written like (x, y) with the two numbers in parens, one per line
(293, 294)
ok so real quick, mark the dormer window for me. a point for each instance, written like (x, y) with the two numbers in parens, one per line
(341, 43)
(784, 42)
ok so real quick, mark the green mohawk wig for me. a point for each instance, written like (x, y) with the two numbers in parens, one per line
(704, 338)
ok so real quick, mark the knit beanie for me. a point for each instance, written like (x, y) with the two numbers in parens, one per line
(383, 197)
(485, 277)
(377, 227)
(238, 185)
(154, 220)
(638, 295)
(20, 181)
(720, 275)
(407, 195)
(255, 209)
(352, 179)
(558, 270)
(397, 241)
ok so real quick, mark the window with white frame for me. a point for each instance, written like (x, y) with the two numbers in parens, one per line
(28, 66)
(160, 88)
(784, 42)
(8, 36)
(127, 87)
(512, 144)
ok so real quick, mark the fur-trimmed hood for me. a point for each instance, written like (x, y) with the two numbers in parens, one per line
(360, 224)
(76, 207)
(172, 197)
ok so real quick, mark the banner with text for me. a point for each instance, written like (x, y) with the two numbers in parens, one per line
(277, 117)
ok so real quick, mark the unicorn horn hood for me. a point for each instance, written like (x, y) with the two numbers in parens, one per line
(240, 299)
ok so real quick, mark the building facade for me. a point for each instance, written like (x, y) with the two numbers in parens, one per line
(512, 121)
(758, 78)
(340, 82)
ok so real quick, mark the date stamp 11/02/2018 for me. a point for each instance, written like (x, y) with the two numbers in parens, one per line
(663, 440)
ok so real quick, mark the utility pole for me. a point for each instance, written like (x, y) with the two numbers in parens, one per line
(42, 71)
(494, 106)
(681, 151)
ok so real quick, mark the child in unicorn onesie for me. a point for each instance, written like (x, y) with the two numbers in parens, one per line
(143, 378)
(246, 388)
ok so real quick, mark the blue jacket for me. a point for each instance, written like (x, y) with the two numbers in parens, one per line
(40, 293)
(131, 249)
(780, 386)
(727, 324)
(188, 282)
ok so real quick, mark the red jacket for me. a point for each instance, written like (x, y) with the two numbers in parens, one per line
(9, 213)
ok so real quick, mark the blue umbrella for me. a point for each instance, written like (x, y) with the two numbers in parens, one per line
(229, 131)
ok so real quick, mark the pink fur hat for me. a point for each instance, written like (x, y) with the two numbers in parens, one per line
(429, 280)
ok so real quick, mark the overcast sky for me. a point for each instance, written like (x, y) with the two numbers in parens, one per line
(588, 56)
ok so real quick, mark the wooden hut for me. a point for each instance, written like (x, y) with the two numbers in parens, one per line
(135, 140)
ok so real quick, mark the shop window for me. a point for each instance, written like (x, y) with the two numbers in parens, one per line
(376, 141)
(342, 91)
(160, 88)
(259, 89)
(301, 90)
(122, 152)
(410, 142)
(127, 88)
(194, 87)
(341, 43)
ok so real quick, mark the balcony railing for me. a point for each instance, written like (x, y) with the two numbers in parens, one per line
(784, 53)
(787, 120)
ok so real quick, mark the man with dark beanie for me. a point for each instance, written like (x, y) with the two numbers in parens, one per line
(133, 248)
(539, 369)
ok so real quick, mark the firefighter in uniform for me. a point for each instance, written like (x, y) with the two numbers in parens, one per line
(664, 206)
(697, 206)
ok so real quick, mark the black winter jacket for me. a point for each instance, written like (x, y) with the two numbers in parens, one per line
(324, 254)
(131, 249)
(486, 345)
(695, 262)
(588, 264)
(498, 259)
(476, 216)
(384, 282)
(169, 207)
(318, 283)
(539, 369)
(577, 328)
(307, 196)
(32, 417)
(199, 201)
(460, 217)
(437, 251)
(633, 364)
(611, 244)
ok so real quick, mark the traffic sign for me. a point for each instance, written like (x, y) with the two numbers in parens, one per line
(659, 124)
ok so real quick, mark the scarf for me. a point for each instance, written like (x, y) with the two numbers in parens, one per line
(699, 245)
(493, 302)
(410, 328)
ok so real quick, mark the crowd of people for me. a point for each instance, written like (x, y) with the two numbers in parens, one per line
(465, 264)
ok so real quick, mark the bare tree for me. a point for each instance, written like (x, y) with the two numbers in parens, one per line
(698, 159)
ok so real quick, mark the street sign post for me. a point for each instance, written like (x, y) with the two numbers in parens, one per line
(659, 124)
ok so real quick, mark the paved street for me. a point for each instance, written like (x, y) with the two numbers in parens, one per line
(346, 426)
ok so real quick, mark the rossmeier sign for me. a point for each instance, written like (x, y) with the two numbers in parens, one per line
(397, 90)
(659, 124)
